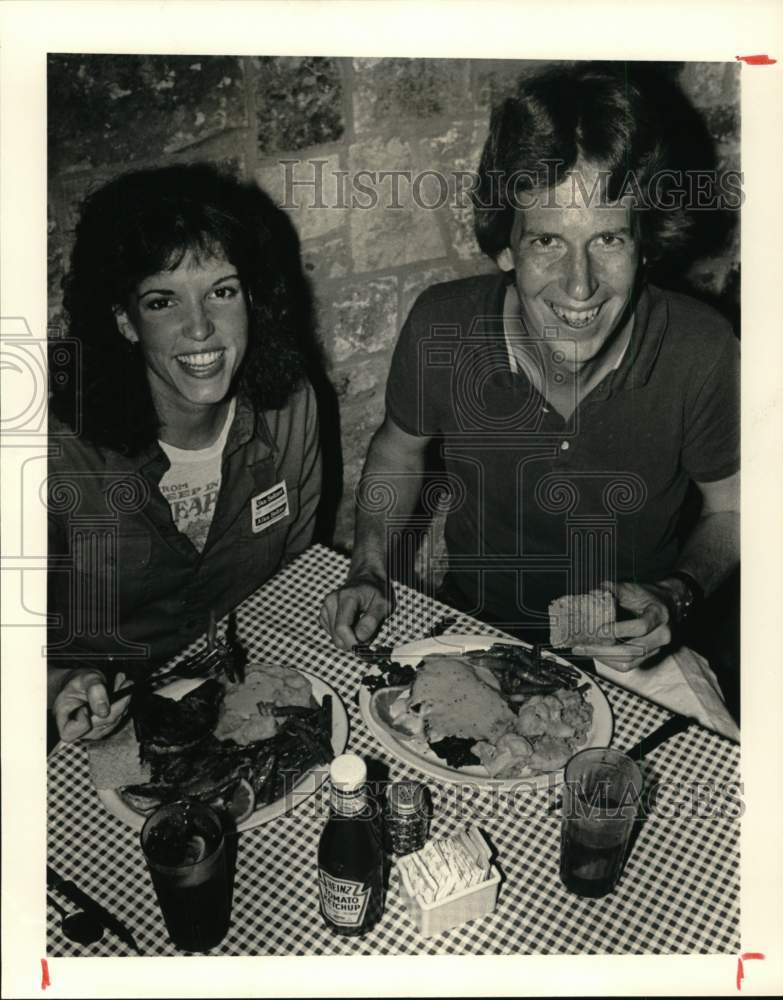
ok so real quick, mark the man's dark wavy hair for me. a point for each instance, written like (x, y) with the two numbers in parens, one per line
(144, 222)
(595, 113)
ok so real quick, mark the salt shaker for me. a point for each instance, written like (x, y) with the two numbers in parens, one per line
(407, 817)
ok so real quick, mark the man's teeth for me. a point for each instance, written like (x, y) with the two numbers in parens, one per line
(575, 317)
(203, 360)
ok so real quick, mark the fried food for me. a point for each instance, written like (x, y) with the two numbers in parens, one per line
(455, 702)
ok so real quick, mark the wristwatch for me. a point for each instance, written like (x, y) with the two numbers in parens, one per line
(684, 602)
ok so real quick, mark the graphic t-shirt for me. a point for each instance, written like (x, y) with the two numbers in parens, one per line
(192, 483)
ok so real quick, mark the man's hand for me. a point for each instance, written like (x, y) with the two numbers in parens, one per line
(354, 612)
(395, 462)
(82, 710)
(640, 638)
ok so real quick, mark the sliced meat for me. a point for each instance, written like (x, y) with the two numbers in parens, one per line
(456, 703)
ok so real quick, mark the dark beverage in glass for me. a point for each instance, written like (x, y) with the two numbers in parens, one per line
(184, 846)
(350, 853)
(600, 802)
(589, 865)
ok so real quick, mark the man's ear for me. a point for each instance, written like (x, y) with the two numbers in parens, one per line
(125, 326)
(504, 260)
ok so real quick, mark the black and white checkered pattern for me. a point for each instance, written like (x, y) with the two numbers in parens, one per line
(678, 895)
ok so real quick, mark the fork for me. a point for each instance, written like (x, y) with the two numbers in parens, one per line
(218, 656)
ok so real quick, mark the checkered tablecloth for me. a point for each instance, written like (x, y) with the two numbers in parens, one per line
(678, 895)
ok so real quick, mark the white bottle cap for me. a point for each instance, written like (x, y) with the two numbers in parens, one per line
(348, 771)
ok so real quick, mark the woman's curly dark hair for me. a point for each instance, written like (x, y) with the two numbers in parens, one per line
(598, 113)
(144, 222)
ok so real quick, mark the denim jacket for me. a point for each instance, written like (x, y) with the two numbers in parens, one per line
(124, 581)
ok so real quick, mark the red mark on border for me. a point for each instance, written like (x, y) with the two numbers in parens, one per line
(45, 980)
(745, 956)
(756, 60)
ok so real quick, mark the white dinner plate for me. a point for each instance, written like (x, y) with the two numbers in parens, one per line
(427, 761)
(309, 783)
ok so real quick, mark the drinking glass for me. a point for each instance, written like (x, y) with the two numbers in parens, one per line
(184, 846)
(601, 795)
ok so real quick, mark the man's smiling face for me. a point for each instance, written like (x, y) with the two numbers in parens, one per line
(575, 260)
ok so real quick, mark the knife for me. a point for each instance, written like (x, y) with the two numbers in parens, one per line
(368, 652)
(73, 893)
(584, 663)
(677, 724)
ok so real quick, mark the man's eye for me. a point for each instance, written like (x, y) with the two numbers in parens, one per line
(610, 240)
(156, 305)
(543, 242)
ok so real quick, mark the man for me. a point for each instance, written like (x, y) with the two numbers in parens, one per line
(573, 404)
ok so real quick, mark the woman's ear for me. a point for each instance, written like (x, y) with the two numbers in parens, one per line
(125, 326)
(504, 260)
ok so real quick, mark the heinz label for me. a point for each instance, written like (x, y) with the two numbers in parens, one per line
(343, 902)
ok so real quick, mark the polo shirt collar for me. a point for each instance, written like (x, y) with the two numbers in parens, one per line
(651, 319)
(492, 327)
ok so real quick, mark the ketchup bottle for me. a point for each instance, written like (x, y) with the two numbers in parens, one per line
(350, 854)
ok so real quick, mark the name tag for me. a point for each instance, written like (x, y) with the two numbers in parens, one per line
(269, 507)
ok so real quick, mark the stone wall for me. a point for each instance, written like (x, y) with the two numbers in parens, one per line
(292, 123)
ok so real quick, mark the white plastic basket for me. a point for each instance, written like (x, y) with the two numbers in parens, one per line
(467, 904)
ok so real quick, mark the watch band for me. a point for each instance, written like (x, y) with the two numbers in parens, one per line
(694, 594)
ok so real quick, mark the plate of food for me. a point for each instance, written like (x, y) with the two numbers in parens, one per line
(254, 749)
(467, 708)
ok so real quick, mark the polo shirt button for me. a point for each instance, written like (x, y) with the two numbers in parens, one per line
(564, 446)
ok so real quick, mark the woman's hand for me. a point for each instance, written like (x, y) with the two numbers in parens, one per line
(82, 710)
(640, 638)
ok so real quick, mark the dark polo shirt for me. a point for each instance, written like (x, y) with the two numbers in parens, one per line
(542, 506)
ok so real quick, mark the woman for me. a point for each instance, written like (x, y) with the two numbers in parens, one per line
(186, 468)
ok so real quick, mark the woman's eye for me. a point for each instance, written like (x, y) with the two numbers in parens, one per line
(610, 240)
(226, 292)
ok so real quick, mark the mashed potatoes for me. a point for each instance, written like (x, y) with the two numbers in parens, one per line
(272, 684)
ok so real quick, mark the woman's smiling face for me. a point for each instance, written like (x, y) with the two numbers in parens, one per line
(575, 261)
(191, 325)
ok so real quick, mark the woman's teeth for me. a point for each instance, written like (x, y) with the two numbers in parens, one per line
(200, 362)
(575, 318)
